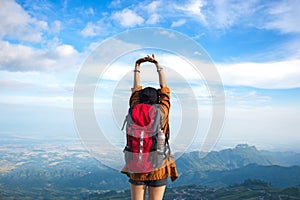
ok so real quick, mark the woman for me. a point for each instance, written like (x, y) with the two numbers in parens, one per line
(156, 181)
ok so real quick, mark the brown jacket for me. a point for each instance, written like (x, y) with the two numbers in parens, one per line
(169, 167)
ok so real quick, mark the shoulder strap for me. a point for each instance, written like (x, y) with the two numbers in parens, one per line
(167, 133)
(124, 123)
(126, 118)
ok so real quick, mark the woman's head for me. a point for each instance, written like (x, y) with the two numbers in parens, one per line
(149, 95)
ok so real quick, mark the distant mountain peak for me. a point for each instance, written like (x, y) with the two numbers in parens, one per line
(244, 146)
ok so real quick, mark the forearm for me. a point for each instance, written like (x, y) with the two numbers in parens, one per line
(161, 75)
(136, 76)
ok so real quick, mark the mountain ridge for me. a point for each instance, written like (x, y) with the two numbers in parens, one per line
(227, 159)
(58, 170)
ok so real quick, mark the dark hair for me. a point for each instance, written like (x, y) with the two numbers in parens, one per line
(149, 95)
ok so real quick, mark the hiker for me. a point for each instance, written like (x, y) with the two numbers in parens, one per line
(157, 179)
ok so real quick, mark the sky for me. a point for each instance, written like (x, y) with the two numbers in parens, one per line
(254, 45)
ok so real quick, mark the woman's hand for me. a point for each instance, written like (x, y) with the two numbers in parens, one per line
(148, 58)
(152, 59)
(139, 61)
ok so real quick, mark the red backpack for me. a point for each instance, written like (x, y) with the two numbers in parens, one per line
(143, 131)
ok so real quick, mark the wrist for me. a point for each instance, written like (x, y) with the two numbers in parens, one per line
(157, 65)
(159, 69)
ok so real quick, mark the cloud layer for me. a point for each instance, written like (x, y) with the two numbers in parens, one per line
(271, 75)
(18, 57)
(43, 44)
(17, 24)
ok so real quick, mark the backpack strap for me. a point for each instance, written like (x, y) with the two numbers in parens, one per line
(167, 151)
(167, 133)
(124, 123)
(126, 118)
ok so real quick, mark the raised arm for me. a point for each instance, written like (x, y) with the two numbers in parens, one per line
(134, 98)
(152, 59)
(161, 74)
(162, 77)
(136, 76)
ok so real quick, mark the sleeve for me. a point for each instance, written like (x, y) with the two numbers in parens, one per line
(164, 101)
(135, 96)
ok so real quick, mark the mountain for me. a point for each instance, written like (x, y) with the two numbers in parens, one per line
(277, 176)
(230, 166)
(248, 190)
(288, 158)
(39, 169)
(227, 159)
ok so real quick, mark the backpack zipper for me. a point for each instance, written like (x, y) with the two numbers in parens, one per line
(141, 147)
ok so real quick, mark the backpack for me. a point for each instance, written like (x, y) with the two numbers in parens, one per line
(143, 130)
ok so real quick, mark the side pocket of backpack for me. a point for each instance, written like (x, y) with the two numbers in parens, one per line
(157, 156)
(128, 155)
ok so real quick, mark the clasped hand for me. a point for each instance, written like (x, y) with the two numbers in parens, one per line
(148, 58)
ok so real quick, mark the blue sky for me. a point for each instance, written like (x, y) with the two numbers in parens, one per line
(255, 46)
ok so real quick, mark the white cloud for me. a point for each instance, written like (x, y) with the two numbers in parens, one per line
(178, 23)
(116, 71)
(224, 14)
(284, 16)
(90, 11)
(143, 12)
(16, 23)
(167, 33)
(115, 4)
(89, 30)
(13, 85)
(92, 66)
(64, 51)
(98, 28)
(153, 19)
(36, 88)
(246, 99)
(228, 13)
(277, 15)
(18, 57)
(153, 6)
(194, 9)
(263, 125)
(56, 26)
(152, 9)
(179, 68)
(272, 75)
(57, 101)
(127, 18)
